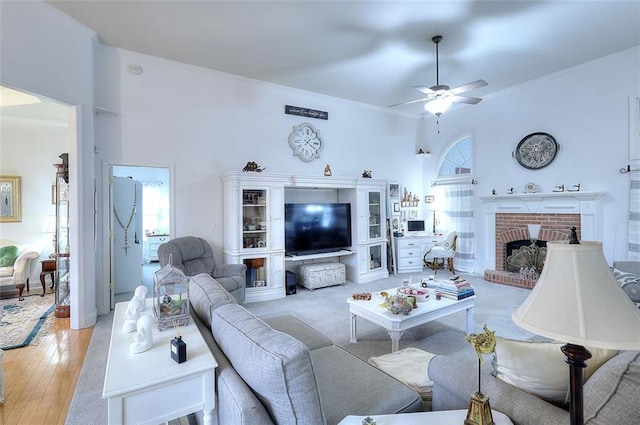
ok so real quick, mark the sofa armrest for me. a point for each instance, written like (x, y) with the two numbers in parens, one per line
(455, 380)
(23, 264)
(229, 270)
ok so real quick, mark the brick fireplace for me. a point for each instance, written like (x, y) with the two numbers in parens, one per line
(512, 227)
(508, 218)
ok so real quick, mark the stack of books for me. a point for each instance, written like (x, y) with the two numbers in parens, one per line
(455, 288)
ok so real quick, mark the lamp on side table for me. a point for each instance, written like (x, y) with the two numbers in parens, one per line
(577, 300)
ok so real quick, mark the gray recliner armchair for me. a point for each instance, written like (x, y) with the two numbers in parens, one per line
(193, 256)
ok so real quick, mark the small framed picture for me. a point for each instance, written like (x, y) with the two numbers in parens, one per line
(259, 283)
(395, 224)
(396, 207)
(394, 191)
(428, 199)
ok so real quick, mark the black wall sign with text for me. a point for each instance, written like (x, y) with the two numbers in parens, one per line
(306, 112)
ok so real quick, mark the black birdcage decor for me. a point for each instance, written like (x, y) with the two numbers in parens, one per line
(171, 297)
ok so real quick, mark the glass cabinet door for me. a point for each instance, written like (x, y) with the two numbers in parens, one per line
(254, 218)
(375, 257)
(62, 275)
(374, 215)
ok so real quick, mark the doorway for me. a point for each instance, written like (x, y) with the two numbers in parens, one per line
(140, 211)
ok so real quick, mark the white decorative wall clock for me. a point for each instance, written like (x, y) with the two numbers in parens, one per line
(305, 142)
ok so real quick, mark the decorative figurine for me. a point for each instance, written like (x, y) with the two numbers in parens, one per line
(493, 192)
(143, 338)
(366, 174)
(479, 412)
(510, 191)
(327, 171)
(575, 188)
(558, 188)
(252, 167)
(135, 307)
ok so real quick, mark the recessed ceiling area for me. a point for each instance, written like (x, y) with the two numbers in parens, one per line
(372, 52)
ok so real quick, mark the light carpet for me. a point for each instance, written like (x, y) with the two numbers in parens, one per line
(24, 322)
(326, 310)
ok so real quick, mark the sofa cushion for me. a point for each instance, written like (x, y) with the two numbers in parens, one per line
(8, 255)
(630, 284)
(611, 394)
(205, 294)
(540, 367)
(275, 365)
(299, 330)
(351, 386)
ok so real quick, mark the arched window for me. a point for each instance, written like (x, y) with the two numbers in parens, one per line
(457, 160)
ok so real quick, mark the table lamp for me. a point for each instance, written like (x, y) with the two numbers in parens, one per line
(577, 300)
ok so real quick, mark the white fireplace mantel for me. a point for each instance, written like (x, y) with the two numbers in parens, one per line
(587, 204)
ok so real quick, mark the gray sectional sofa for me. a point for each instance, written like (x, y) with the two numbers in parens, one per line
(282, 371)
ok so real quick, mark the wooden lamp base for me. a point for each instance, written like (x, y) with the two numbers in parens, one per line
(479, 412)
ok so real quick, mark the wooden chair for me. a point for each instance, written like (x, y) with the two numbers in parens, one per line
(445, 251)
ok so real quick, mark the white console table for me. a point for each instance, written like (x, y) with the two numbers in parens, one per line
(150, 387)
(410, 251)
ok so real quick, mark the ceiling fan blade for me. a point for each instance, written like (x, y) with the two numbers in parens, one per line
(466, 99)
(424, 89)
(469, 86)
(422, 99)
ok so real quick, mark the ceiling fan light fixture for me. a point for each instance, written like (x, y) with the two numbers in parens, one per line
(437, 106)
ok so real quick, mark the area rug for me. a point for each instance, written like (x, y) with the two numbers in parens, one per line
(23, 322)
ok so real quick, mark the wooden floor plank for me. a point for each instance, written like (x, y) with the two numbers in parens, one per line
(40, 379)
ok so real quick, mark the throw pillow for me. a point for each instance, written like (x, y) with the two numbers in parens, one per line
(8, 255)
(630, 284)
(539, 367)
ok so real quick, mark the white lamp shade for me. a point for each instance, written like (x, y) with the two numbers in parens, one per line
(578, 301)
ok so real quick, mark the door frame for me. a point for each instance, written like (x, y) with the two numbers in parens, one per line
(107, 289)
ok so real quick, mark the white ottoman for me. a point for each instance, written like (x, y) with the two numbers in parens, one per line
(320, 275)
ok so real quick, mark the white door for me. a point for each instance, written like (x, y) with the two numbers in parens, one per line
(126, 230)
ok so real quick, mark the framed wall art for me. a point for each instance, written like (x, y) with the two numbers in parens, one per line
(10, 201)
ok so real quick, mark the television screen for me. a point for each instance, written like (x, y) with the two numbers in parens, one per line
(316, 228)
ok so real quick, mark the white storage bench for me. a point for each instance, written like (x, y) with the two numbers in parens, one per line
(320, 275)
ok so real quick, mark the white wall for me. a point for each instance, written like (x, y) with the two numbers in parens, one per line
(206, 123)
(45, 52)
(29, 150)
(585, 108)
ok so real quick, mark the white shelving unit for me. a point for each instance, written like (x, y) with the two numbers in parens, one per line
(254, 228)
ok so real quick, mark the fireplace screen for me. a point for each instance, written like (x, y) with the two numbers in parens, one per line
(526, 257)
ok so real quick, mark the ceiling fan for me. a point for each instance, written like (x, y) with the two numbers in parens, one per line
(440, 96)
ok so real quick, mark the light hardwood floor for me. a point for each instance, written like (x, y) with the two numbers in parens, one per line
(39, 380)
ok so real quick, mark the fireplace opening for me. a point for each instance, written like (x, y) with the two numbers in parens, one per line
(526, 257)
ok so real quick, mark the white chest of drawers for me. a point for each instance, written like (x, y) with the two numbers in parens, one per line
(411, 249)
(151, 247)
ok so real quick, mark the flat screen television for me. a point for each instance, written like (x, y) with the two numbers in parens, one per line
(317, 228)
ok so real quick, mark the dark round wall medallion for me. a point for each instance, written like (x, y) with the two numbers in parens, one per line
(536, 150)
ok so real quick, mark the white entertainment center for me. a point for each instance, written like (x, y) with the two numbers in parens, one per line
(254, 227)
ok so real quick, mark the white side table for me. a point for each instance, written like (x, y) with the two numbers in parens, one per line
(442, 417)
(150, 387)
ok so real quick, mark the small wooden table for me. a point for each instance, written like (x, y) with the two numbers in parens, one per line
(396, 324)
(150, 387)
(48, 268)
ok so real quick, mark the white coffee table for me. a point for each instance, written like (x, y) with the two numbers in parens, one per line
(396, 324)
(443, 417)
(150, 387)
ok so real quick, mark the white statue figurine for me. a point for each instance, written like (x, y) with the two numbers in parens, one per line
(140, 294)
(135, 307)
(143, 339)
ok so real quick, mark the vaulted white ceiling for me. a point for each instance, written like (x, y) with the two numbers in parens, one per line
(369, 51)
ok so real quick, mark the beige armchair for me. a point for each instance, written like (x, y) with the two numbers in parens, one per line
(17, 274)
